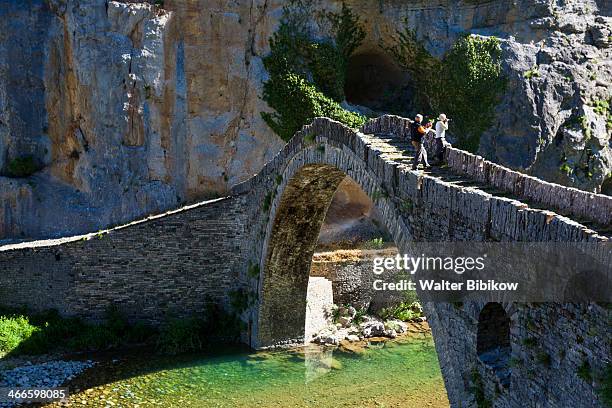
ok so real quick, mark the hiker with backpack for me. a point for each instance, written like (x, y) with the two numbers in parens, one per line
(417, 131)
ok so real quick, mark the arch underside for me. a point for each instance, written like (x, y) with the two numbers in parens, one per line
(298, 219)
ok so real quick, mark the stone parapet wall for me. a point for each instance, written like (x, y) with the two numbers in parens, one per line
(567, 200)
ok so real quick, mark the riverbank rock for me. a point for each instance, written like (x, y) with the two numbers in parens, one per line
(397, 325)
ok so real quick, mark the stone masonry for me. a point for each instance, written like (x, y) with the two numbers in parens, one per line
(164, 266)
(262, 239)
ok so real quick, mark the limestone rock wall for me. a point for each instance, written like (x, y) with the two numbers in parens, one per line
(128, 109)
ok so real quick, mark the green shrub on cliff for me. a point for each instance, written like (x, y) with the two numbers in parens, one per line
(411, 55)
(472, 83)
(348, 32)
(297, 103)
(306, 76)
(22, 167)
(466, 84)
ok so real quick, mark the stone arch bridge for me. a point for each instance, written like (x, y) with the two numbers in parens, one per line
(259, 242)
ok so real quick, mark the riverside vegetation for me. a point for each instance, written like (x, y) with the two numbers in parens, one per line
(26, 333)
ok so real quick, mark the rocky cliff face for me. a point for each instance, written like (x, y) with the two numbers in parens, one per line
(128, 108)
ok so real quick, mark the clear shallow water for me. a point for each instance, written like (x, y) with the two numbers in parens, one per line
(398, 374)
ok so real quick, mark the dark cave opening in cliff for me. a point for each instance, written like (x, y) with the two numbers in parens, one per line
(375, 81)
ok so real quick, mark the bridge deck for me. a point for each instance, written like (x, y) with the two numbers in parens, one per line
(400, 150)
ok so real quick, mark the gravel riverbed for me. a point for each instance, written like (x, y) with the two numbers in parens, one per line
(48, 374)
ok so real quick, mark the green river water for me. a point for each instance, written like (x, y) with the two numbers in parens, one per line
(402, 373)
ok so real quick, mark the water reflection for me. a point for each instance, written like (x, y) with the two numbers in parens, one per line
(318, 361)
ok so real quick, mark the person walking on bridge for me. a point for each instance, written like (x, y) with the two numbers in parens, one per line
(441, 128)
(417, 132)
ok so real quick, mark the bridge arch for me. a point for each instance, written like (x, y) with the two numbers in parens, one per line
(296, 216)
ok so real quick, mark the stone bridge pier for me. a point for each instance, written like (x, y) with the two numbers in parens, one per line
(260, 241)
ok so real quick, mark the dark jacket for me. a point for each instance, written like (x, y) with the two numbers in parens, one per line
(417, 131)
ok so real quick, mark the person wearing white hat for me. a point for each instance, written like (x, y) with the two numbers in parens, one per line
(440, 139)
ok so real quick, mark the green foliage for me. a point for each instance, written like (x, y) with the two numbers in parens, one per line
(533, 72)
(406, 206)
(13, 331)
(605, 388)
(194, 334)
(348, 32)
(375, 243)
(221, 323)
(584, 372)
(565, 168)
(404, 311)
(515, 362)
(307, 77)
(359, 315)
(472, 81)
(239, 300)
(292, 51)
(466, 84)
(253, 270)
(48, 331)
(378, 194)
(530, 342)
(22, 167)
(544, 358)
(95, 338)
(478, 390)
(603, 108)
(181, 336)
(297, 103)
(309, 139)
(411, 55)
(267, 202)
